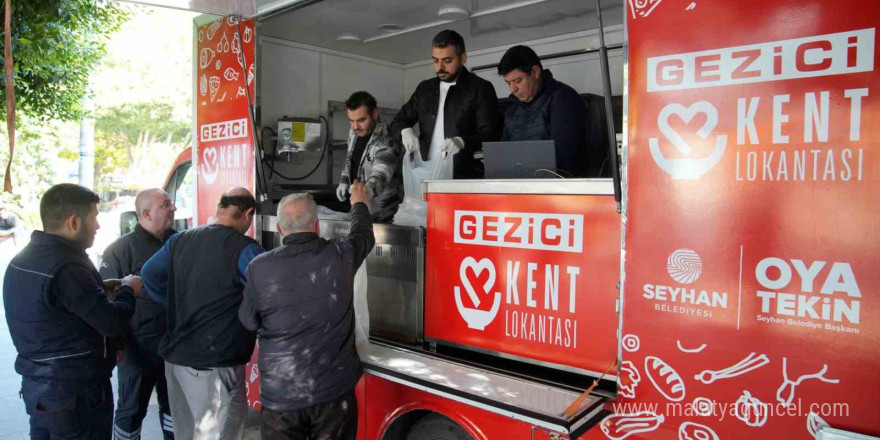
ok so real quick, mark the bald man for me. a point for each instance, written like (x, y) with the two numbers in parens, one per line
(200, 275)
(141, 369)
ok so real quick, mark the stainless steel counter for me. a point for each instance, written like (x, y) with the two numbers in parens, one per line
(395, 271)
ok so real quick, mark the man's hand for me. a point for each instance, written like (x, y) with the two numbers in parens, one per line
(110, 287)
(136, 284)
(452, 145)
(373, 187)
(358, 193)
(341, 191)
(409, 139)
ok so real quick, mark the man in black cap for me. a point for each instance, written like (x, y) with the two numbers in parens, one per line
(200, 274)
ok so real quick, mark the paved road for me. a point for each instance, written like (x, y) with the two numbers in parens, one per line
(14, 424)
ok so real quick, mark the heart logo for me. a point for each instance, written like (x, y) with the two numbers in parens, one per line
(687, 168)
(209, 166)
(475, 318)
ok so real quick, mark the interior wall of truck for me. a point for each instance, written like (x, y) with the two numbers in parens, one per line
(314, 57)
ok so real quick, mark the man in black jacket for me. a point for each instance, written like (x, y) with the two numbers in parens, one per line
(200, 274)
(299, 298)
(62, 322)
(141, 369)
(546, 109)
(456, 111)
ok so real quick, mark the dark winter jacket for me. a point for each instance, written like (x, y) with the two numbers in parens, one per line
(58, 313)
(470, 112)
(299, 299)
(199, 274)
(126, 256)
(557, 113)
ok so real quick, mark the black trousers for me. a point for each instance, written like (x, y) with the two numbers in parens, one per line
(334, 420)
(140, 372)
(68, 409)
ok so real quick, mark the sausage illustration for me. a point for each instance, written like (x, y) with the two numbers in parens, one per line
(621, 426)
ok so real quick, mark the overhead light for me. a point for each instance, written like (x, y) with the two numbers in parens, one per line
(349, 38)
(390, 27)
(453, 13)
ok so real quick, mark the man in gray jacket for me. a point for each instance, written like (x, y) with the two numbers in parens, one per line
(373, 158)
(299, 299)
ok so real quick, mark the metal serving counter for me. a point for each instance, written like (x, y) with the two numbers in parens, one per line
(395, 271)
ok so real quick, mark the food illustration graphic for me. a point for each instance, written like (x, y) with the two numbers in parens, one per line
(664, 378)
(751, 362)
(629, 380)
(621, 426)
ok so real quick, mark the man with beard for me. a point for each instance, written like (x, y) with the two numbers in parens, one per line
(62, 321)
(456, 111)
(141, 369)
(373, 157)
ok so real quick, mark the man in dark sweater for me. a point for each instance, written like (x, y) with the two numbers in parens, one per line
(141, 369)
(200, 274)
(63, 323)
(299, 299)
(545, 109)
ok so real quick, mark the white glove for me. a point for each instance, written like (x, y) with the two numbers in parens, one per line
(409, 139)
(452, 145)
(372, 187)
(341, 191)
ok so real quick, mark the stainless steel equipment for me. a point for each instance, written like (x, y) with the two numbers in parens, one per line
(395, 276)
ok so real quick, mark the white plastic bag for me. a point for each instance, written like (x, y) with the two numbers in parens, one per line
(414, 210)
(326, 213)
(361, 310)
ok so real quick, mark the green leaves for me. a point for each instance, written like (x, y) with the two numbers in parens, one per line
(56, 44)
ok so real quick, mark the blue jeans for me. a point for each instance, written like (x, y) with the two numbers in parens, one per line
(68, 409)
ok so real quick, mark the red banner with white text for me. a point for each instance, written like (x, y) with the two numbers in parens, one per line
(750, 306)
(529, 276)
(225, 133)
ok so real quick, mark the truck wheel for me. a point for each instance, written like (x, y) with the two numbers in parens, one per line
(437, 427)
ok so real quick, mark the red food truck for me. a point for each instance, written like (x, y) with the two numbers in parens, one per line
(729, 293)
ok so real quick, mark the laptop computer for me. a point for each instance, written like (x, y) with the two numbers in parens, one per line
(519, 160)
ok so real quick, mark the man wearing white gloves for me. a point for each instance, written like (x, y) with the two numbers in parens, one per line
(456, 111)
(373, 158)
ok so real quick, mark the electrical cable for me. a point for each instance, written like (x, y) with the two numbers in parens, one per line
(539, 170)
(271, 165)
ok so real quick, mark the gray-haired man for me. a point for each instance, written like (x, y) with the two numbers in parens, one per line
(299, 298)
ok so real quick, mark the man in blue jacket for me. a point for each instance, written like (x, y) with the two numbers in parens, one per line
(199, 274)
(63, 323)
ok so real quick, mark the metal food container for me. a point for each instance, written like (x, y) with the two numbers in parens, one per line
(395, 276)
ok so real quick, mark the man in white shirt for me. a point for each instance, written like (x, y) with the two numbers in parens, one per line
(456, 111)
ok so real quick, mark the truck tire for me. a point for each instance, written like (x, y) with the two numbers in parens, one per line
(437, 427)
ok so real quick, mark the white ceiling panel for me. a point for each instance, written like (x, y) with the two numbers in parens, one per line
(320, 24)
